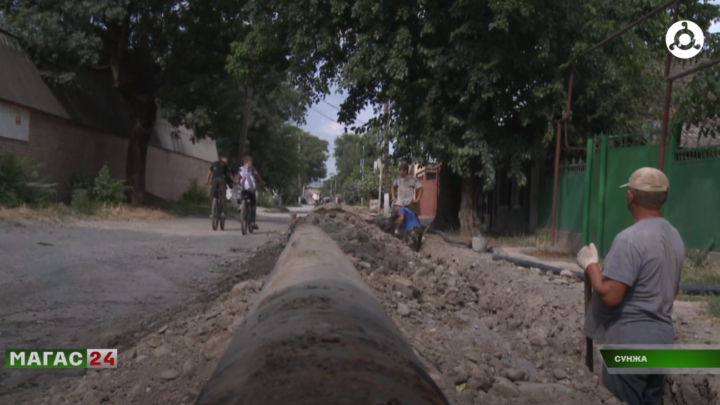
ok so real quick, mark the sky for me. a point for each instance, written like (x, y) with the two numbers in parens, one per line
(321, 119)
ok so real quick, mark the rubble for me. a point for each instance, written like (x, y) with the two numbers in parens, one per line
(487, 332)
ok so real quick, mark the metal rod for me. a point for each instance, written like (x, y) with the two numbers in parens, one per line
(695, 69)
(586, 241)
(668, 96)
(670, 157)
(569, 98)
(628, 28)
(316, 334)
(601, 194)
(555, 184)
(567, 108)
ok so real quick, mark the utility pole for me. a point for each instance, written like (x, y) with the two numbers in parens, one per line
(386, 166)
(362, 175)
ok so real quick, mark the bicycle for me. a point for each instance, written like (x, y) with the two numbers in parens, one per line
(246, 215)
(217, 218)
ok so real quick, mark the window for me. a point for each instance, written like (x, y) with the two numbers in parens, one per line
(14, 122)
(430, 176)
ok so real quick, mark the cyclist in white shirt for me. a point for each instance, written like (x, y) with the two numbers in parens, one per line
(248, 180)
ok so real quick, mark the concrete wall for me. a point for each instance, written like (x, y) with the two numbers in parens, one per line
(66, 148)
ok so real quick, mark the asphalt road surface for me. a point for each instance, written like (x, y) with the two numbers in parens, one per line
(85, 285)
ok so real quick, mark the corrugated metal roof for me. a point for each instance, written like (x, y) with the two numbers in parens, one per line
(20, 82)
(90, 101)
(183, 141)
(96, 105)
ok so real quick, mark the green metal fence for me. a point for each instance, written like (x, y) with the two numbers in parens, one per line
(571, 184)
(694, 201)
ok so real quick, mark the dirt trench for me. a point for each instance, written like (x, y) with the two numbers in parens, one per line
(488, 332)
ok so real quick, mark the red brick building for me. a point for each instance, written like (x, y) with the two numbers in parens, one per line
(73, 131)
(428, 179)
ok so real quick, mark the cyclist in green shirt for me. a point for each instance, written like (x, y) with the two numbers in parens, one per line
(218, 177)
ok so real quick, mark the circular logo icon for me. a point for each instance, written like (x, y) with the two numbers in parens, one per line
(684, 39)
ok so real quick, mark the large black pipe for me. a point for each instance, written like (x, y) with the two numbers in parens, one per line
(317, 335)
(685, 289)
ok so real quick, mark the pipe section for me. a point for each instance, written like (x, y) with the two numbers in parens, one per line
(317, 335)
(685, 289)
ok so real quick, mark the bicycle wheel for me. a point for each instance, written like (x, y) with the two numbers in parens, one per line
(222, 222)
(243, 217)
(215, 214)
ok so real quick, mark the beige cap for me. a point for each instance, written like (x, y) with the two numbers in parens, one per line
(648, 179)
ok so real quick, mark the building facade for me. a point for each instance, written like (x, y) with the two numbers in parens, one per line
(75, 132)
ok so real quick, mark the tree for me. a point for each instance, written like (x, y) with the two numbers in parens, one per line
(155, 53)
(349, 151)
(477, 85)
(287, 157)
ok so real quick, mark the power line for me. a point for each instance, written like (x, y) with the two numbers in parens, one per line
(321, 113)
(337, 108)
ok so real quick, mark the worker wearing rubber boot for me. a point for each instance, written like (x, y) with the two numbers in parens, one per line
(633, 293)
(408, 228)
(406, 191)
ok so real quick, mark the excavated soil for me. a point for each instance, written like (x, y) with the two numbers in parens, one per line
(488, 332)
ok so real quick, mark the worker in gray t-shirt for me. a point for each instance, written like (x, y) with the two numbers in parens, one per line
(633, 293)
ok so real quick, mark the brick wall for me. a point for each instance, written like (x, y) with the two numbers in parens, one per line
(65, 148)
(428, 201)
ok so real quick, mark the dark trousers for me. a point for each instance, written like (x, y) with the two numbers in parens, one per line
(635, 389)
(250, 195)
(219, 185)
(391, 223)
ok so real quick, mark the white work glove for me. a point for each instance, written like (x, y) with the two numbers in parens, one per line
(587, 256)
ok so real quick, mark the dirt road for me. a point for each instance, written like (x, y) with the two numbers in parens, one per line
(93, 284)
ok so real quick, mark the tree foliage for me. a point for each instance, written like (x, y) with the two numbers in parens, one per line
(478, 84)
(350, 152)
(166, 57)
(287, 157)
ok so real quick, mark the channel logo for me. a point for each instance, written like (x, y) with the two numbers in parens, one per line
(685, 39)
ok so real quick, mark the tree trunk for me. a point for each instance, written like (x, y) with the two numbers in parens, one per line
(469, 219)
(448, 201)
(136, 162)
(245, 124)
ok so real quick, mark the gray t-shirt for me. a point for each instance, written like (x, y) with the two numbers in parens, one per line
(406, 187)
(648, 258)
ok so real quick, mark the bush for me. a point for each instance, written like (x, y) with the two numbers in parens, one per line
(83, 203)
(82, 181)
(88, 194)
(106, 189)
(21, 184)
(266, 199)
(195, 194)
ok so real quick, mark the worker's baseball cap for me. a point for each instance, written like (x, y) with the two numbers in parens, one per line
(648, 179)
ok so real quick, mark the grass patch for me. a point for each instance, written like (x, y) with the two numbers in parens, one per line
(61, 213)
(699, 271)
(538, 240)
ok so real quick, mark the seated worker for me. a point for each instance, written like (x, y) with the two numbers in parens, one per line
(411, 229)
(248, 179)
